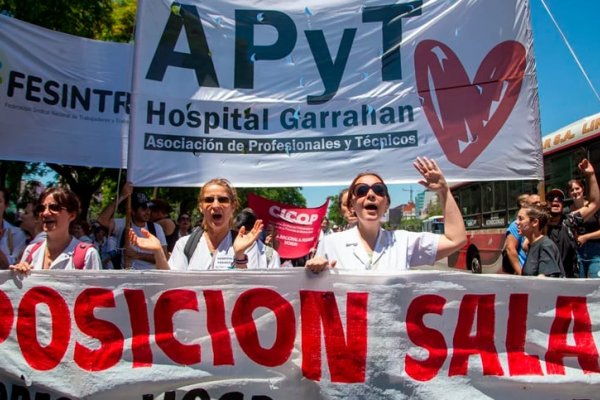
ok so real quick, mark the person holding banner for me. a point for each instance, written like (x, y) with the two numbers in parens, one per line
(57, 208)
(213, 247)
(368, 246)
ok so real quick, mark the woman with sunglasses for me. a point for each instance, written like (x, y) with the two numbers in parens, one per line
(56, 209)
(217, 247)
(368, 247)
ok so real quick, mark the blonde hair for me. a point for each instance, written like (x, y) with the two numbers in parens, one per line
(231, 193)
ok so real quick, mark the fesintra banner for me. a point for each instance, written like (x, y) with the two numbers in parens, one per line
(291, 334)
(63, 99)
(285, 93)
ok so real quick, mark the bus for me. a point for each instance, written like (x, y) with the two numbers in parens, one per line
(489, 207)
(433, 224)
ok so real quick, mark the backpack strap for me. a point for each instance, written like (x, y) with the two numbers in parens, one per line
(151, 228)
(79, 254)
(34, 248)
(192, 243)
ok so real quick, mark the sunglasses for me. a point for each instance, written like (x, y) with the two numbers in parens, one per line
(557, 198)
(220, 200)
(54, 208)
(362, 189)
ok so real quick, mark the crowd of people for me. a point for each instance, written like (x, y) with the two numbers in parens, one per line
(544, 240)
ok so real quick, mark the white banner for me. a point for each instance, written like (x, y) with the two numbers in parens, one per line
(63, 99)
(285, 93)
(290, 334)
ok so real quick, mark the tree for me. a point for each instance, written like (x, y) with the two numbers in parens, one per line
(84, 18)
(84, 181)
(334, 214)
(123, 22)
(289, 195)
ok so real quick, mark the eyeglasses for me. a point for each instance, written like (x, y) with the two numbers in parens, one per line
(54, 208)
(362, 189)
(220, 199)
(557, 198)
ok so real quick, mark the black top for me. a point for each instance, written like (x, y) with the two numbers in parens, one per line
(543, 258)
(564, 239)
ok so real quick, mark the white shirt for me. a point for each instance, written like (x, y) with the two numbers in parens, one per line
(202, 259)
(394, 250)
(257, 256)
(160, 234)
(18, 239)
(65, 259)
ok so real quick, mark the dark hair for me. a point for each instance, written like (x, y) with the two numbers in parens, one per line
(245, 218)
(161, 205)
(98, 228)
(351, 188)
(85, 226)
(540, 212)
(184, 213)
(63, 197)
(575, 181)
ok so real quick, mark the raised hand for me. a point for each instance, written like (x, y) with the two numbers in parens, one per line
(586, 167)
(432, 174)
(147, 242)
(244, 240)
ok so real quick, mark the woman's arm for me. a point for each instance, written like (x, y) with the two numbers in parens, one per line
(455, 234)
(593, 197)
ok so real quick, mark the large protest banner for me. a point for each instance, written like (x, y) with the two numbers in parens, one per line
(285, 93)
(290, 334)
(63, 98)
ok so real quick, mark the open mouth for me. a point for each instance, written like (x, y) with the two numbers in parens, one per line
(48, 223)
(217, 216)
(371, 207)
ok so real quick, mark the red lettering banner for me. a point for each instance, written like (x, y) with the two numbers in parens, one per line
(292, 334)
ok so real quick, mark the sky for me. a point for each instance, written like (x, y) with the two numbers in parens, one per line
(565, 95)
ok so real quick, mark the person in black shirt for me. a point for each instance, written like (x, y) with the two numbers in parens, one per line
(543, 257)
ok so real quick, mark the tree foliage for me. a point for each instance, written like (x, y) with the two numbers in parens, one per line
(334, 214)
(123, 22)
(84, 18)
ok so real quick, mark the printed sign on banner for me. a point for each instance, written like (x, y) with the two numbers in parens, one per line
(63, 99)
(291, 334)
(297, 229)
(285, 93)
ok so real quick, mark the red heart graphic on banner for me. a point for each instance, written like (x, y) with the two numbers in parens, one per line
(466, 116)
